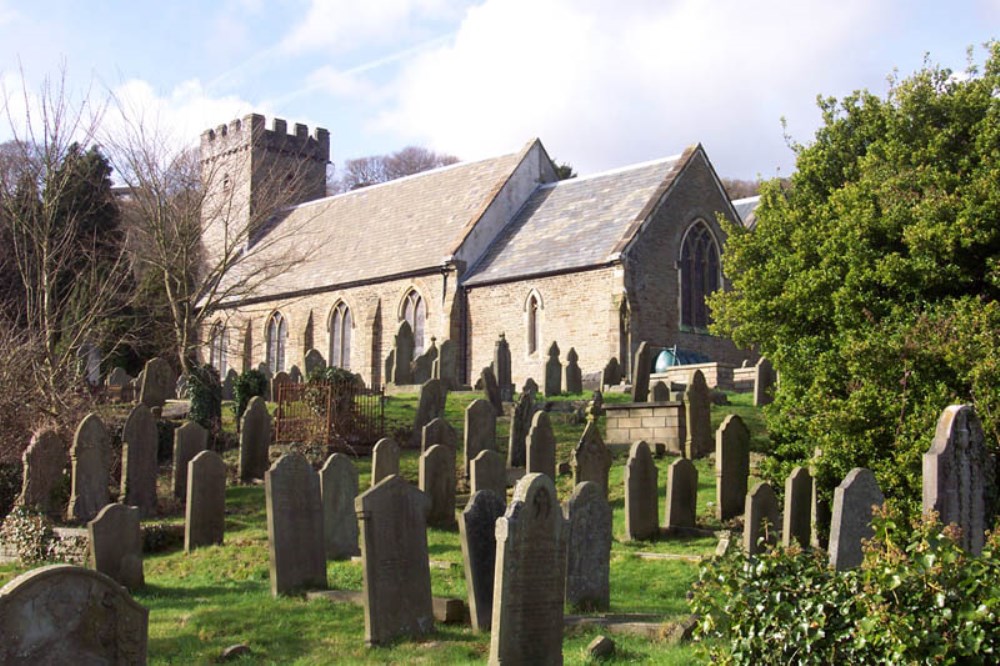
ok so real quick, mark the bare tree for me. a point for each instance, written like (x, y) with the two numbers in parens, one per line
(365, 171)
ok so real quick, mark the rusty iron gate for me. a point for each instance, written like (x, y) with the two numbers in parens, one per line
(343, 415)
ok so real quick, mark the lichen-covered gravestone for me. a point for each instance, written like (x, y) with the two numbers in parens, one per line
(698, 420)
(553, 372)
(205, 513)
(116, 544)
(63, 614)
(438, 431)
(189, 440)
(732, 467)
(44, 462)
(139, 465)
(477, 529)
(437, 481)
(797, 517)
(255, 440)
(294, 525)
(520, 423)
(541, 446)
(91, 463)
(530, 582)
(158, 383)
(491, 389)
(480, 430)
(339, 487)
(588, 561)
(591, 459)
(501, 363)
(395, 564)
(430, 406)
(642, 502)
(385, 459)
(762, 517)
(853, 500)
(681, 506)
(488, 472)
(574, 376)
(640, 373)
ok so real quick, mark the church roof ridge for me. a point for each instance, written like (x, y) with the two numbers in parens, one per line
(613, 171)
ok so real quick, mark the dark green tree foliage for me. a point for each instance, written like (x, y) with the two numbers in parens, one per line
(204, 390)
(247, 385)
(872, 282)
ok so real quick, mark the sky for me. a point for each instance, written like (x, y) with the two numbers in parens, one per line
(603, 83)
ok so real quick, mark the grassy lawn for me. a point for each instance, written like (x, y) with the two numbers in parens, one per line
(219, 596)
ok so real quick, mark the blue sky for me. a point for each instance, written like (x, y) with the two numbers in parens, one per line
(603, 83)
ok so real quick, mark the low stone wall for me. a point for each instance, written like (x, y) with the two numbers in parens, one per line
(743, 379)
(653, 422)
(717, 375)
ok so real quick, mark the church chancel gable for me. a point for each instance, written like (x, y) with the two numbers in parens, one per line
(445, 261)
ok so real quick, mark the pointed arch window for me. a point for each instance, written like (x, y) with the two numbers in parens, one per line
(534, 323)
(341, 324)
(219, 348)
(699, 275)
(277, 339)
(415, 312)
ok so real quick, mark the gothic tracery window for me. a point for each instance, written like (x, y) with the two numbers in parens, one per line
(276, 337)
(415, 312)
(341, 324)
(699, 269)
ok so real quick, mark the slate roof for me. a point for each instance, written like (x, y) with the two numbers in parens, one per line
(574, 224)
(745, 209)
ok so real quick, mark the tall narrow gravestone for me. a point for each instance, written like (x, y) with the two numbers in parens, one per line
(732, 467)
(591, 459)
(762, 518)
(437, 480)
(797, 518)
(640, 373)
(530, 583)
(205, 513)
(642, 506)
(588, 560)
(541, 446)
(501, 363)
(480, 431)
(959, 476)
(477, 528)
(682, 495)
(139, 467)
(574, 376)
(44, 462)
(492, 389)
(698, 420)
(116, 544)
(189, 440)
(385, 459)
(255, 440)
(430, 406)
(853, 500)
(397, 574)
(763, 383)
(488, 472)
(91, 464)
(294, 525)
(520, 423)
(403, 354)
(553, 372)
(338, 482)
(446, 365)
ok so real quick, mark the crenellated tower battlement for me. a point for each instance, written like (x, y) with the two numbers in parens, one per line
(251, 131)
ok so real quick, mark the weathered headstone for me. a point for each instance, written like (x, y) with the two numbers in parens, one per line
(959, 476)
(423, 365)
(139, 465)
(541, 446)
(158, 383)
(763, 383)
(295, 375)
(553, 372)
(501, 365)
(640, 373)
(530, 387)
(438, 431)
(437, 480)
(574, 376)
(488, 472)
(681, 506)
(91, 469)
(205, 513)
(612, 373)
(642, 501)
(385, 459)
(63, 614)
(491, 389)
(255, 440)
(446, 365)
(732, 467)
(338, 482)
(698, 420)
(761, 518)
(477, 529)
(280, 378)
(294, 525)
(314, 361)
(797, 518)
(430, 406)
(661, 392)
(189, 440)
(227, 384)
(116, 544)
(530, 581)
(853, 500)
(520, 423)
(397, 576)
(480, 430)
(591, 459)
(119, 384)
(402, 355)
(44, 462)
(588, 562)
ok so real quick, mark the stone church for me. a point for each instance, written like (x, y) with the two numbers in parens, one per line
(464, 253)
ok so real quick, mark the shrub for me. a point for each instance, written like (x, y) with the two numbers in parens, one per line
(11, 475)
(27, 534)
(204, 390)
(247, 385)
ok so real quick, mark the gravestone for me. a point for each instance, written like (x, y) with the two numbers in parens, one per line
(530, 580)
(642, 501)
(501, 365)
(139, 465)
(959, 476)
(385, 459)
(423, 365)
(640, 373)
(732, 467)
(438, 431)
(280, 379)
(390, 364)
(314, 361)
(430, 406)
(402, 355)
(530, 387)
(520, 424)
(541, 446)
(588, 561)
(477, 530)
(437, 480)
(268, 376)
(553, 372)
(189, 440)
(205, 513)
(764, 379)
(681, 506)
(395, 564)
(116, 545)
(661, 392)
(761, 518)
(797, 518)
(574, 376)
(44, 462)
(63, 614)
(118, 378)
(853, 500)
(294, 525)
(480, 430)
(295, 375)
(612, 373)
(698, 420)
(491, 389)
(158, 383)
(446, 365)
(488, 472)
(255, 440)
(591, 459)
(90, 469)
(227, 384)
(338, 483)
